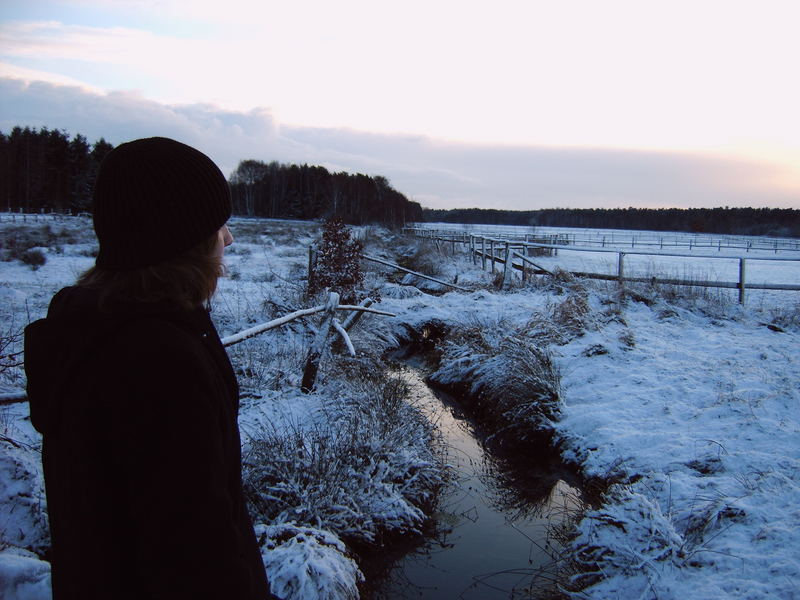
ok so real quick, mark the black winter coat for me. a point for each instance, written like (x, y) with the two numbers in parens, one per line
(141, 454)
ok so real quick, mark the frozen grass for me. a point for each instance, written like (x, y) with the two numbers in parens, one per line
(357, 471)
(505, 376)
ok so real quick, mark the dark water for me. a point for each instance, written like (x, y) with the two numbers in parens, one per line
(494, 525)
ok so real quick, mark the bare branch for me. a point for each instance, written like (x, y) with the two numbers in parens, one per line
(338, 327)
(257, 329)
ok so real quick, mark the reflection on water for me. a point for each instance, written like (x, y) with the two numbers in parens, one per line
(493, 523)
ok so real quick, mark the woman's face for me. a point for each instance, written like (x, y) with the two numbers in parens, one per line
(224, 238)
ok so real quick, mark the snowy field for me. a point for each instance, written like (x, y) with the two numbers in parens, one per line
(686, 407)
(666, 241)
(675, 255)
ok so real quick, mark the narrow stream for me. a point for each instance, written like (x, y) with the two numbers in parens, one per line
(493, 535)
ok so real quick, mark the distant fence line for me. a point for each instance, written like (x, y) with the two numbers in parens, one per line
(616, 238)
(504, 251)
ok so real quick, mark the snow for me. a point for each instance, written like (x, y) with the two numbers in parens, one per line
(24, 576)
(687, 408)
(701, 417)
(304, 562)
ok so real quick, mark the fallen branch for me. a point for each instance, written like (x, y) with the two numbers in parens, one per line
(258, 329)
(388, 264)
(342, 332)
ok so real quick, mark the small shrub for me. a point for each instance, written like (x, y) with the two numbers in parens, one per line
(34, 258)
(10, 348)
(338, 266)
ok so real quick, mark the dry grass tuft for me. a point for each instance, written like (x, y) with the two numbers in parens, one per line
(351, 473)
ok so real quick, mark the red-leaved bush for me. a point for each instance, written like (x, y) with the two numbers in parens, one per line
(337, 266)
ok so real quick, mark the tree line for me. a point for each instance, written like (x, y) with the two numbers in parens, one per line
(783, 222)
(47, 170)
(310, 192)
(44, 169)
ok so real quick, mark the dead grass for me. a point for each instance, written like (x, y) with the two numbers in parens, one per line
(425, 259)
(511, 385)
(350, 472)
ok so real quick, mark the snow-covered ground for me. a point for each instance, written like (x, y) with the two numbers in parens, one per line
(689, 408)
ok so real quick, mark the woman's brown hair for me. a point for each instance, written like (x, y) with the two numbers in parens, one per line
(186, 281)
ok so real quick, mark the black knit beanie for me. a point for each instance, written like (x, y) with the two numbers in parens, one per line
(154, 199)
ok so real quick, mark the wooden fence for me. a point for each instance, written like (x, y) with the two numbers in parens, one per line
(612, 239)
(514, 255)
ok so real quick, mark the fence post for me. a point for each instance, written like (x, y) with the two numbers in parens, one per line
(315, 351)
(491, 249)
(310, 279)
(483, 253)
(506, 270)
(741, 281)
(472, 249)
(621, 268)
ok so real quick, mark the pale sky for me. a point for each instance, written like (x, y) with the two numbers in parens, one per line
(503, 104)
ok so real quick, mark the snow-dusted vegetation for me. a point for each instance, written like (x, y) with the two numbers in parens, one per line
(682, 411)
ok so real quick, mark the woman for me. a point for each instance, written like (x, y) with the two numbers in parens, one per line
(136, 399)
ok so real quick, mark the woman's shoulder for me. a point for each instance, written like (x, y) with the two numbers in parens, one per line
(161, 335)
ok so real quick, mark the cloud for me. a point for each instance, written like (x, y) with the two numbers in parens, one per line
(437, 173)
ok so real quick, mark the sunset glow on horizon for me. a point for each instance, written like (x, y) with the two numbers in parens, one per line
(713, 80)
